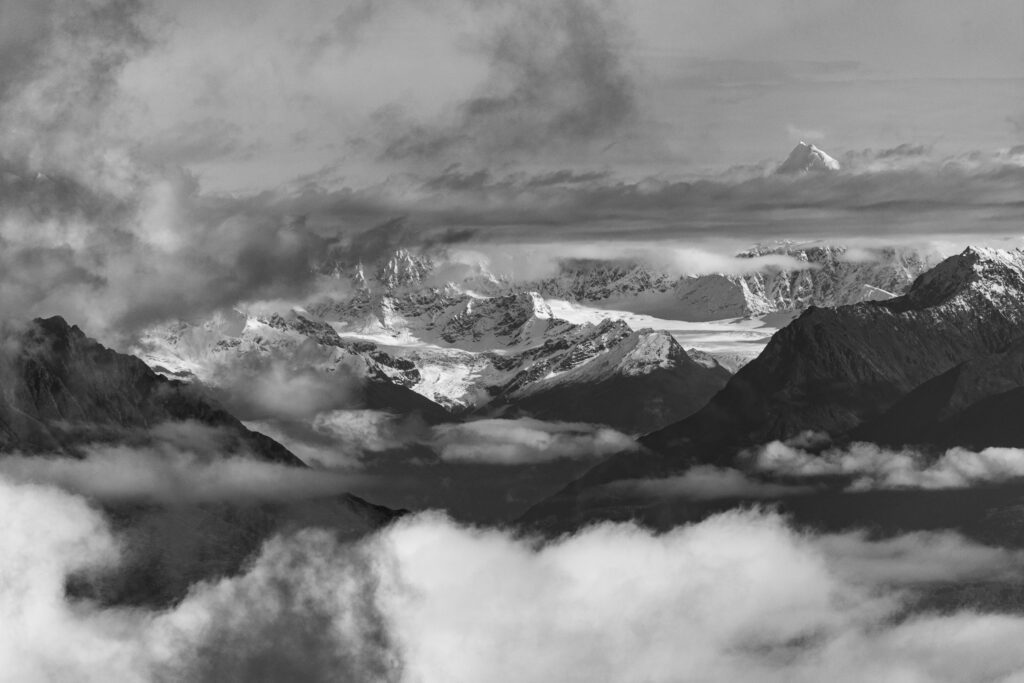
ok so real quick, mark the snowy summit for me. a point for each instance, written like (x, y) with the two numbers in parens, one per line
(805, 158)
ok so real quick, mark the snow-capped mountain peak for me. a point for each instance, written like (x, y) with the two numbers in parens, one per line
(806, 158)
(403, 269)
(976, 271)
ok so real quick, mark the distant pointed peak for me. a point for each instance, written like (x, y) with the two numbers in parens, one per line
(807, 158)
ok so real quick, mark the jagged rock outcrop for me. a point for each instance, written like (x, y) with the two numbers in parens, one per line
(506, 320)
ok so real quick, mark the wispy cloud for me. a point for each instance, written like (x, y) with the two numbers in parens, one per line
(525, 440)
(869, 466)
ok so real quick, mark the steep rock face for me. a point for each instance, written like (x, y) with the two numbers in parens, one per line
(508, 320)
(596, 280)
(61, 389)
(832, 370)
(403, 269)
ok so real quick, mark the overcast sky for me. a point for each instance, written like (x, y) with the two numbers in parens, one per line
(649, 86)
(253, 93)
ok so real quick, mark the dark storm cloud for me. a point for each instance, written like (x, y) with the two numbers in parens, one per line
(556, 78)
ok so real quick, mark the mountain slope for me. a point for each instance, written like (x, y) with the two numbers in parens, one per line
(62, 389)
(977, 404)
(645, 381)
(831, 370)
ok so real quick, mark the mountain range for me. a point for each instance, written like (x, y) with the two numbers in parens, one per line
(936, 367)
(487, 345)
(940, 365)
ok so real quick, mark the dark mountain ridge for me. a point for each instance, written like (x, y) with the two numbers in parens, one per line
(833, 370)
(60, 390)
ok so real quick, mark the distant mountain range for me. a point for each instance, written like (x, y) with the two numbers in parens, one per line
(826, 276)
(486, 345)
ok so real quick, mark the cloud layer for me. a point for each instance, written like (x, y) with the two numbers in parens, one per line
(184, 463)
(737, 596)
(873, 467)
(525, 441)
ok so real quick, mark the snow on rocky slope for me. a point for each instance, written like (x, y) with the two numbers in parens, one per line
(460, 380)
(484, 343)
(826, 276)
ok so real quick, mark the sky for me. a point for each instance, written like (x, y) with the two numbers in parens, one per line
(161, 158)
(252, 95)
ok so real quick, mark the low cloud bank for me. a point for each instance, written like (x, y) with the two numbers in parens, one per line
(739, 596)
(351, 438)
(184, 463)
(706, 482)
(875, 467)
(525, 441)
